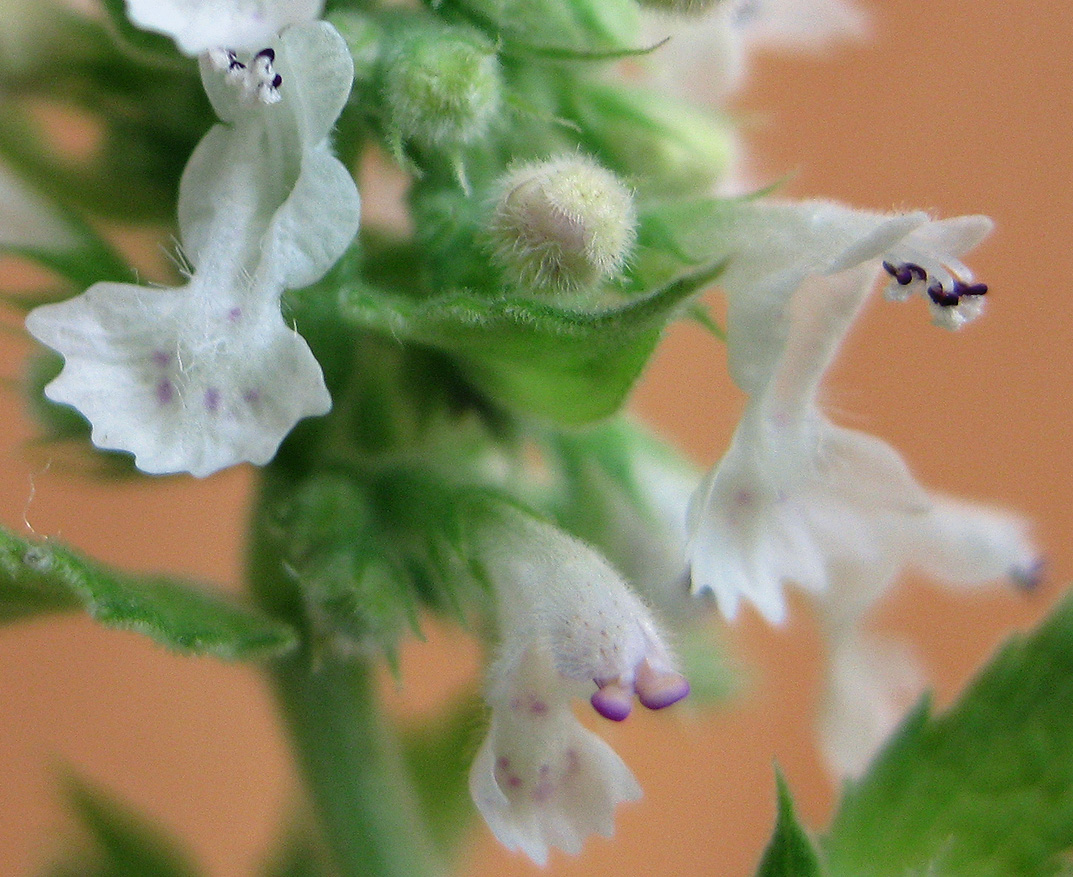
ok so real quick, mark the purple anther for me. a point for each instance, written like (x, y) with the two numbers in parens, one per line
(974, 289)
(165, 392)
(613, 701)
(658, 689)
(277, 81)
(899, 272)
(941, 297)
(1028, 578)
(269, 54)
(212, 400)
(915, 270)
(234, 315)
(161, 359)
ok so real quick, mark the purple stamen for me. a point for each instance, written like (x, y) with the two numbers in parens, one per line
(941, 297)
(277, 81)
(212, 400)
(974, 289)
(270, 54)
(918, 272)
(613, 701)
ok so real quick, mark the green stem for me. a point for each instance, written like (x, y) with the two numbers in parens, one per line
(351, 762)
(353, 768)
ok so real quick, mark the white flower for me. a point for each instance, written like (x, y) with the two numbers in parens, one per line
(797, 498)
(209, 375)
(199, 26)
(707, 59)
(568, 625)
(540, 779)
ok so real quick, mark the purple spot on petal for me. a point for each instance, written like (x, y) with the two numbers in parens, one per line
(538, 707)
(161, 358)
(212, 400)
(502, 763)
(514, 781)
(165, 392)
(251, 397)
(234, 315)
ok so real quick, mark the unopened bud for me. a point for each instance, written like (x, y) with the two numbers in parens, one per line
(562, 225)
(441, 86)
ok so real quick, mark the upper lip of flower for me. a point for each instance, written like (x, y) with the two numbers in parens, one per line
(198, 26)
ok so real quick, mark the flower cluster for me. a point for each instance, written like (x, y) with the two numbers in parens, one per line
(521, 307)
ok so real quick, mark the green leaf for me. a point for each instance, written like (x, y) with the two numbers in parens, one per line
(569, 366)
(299, 854)
(985, 790)
(125, 844)
(790, 852)
(37, 577)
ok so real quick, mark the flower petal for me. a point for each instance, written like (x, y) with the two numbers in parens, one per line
(200, 25)
(181, 385)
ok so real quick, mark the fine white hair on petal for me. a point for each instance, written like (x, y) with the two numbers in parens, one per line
(197, 26)
(208, 375)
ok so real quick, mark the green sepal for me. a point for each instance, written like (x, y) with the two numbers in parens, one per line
(124, 843)
(563, 26)
(41, 576)
(353, 582)
(568, 366)
(439, 754)
(661, 145)
(985, 790)
(790, 852)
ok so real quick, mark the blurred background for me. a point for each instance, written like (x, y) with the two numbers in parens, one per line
(952, 106)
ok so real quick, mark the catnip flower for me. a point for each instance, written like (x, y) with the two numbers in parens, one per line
(796, 496)
(568, 625)
(200, 26)
(207, 375)
(799, 499)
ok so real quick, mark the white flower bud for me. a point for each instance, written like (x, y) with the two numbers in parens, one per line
(562, 225)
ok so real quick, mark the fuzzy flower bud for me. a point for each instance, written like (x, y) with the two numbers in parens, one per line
(562, 225)
(441, 86)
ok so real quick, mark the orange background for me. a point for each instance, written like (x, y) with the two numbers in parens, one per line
(955, 106)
